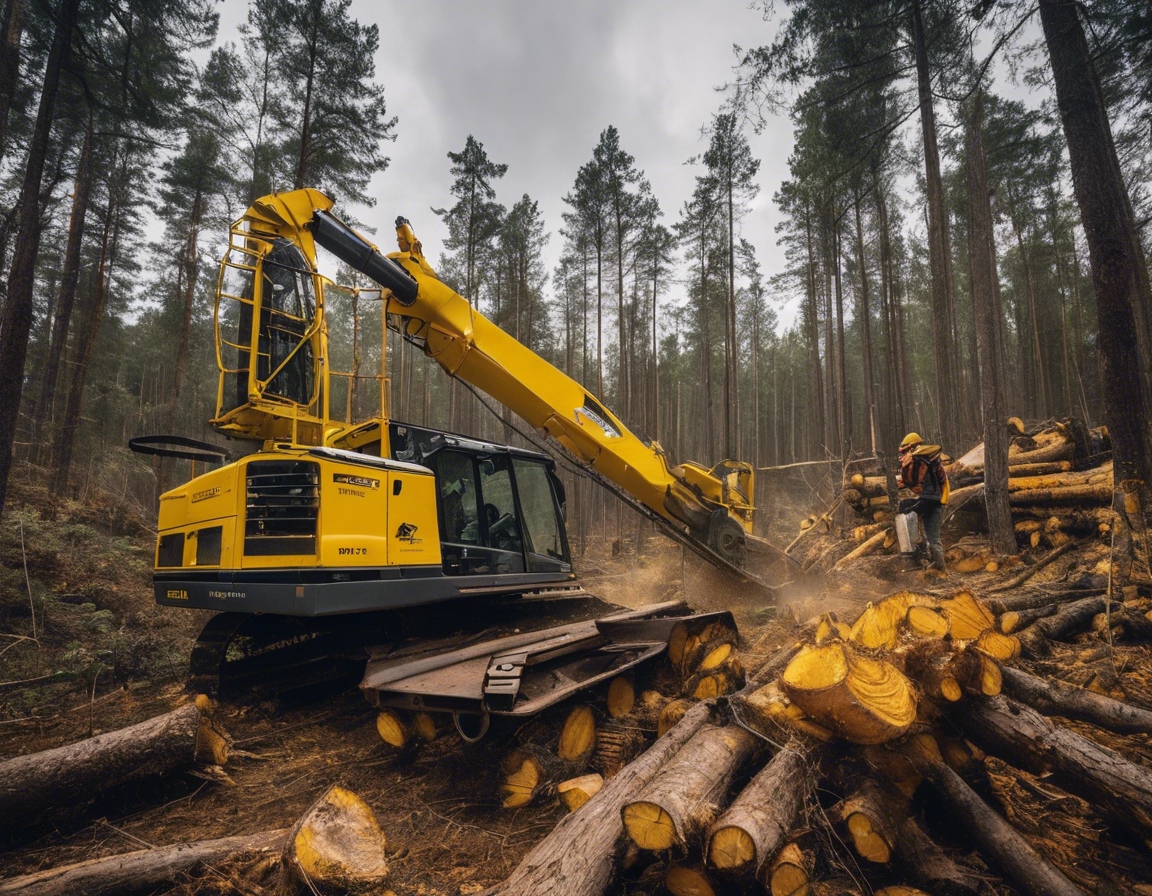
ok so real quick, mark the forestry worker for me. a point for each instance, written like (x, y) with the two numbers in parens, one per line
(922, 472)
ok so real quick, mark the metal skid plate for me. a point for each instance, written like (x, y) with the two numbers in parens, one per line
(523, 673)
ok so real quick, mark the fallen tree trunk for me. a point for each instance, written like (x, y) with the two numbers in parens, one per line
(1094, 493)
(1000, 843)
(1054, 698)
(1031, 600)
(578, 857)
(755, 827)
(32, 784)
(140, 871)
(1070, 619)
(1015, 620)
(881, 830)
(1119, 790)
(684, 797)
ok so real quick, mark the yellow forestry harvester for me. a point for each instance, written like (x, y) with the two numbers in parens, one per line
(326, 532)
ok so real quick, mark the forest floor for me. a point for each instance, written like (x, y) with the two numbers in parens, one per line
(105, 656)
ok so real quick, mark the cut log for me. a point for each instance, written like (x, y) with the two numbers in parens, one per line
(771, 668)
(578, 857)
(1014, 620)
(1040, 469)
(861, 699)
(999, 646)
(943, 671)
(863, 550)
(1099, 493)
(926, 622)
(1119, 790)
(1054, 698)
(142, 871)
(769, 711)
(968, 617)
(617, 744)
(882, 829)
(621, 696)
(1070, 619)
(1001, 845)
(671, 714)
(707, 684)
(1057, 450)
(405, 730)
(530, 770)
(679, 804)
(575, 792)
(1040, 597)
(34, 783)
(790, 873)
(578, 736)
(691, 880)
(756, 825)
(1095, 477)
(337, 845)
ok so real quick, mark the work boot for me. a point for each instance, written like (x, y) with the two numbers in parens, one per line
(937, 552)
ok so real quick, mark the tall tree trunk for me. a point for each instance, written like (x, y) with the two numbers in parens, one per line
(866, 334)
(68, 280)
(1113, 243)
(831, 397)
(816, 386)
(940, 254)
(70, 422)
(841, 369)
(17, 318)
(981, 259)
(189, 271)
(13, 25)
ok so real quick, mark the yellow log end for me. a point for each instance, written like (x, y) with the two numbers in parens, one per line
(649, 826)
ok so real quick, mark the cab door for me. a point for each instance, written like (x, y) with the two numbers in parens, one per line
(479, 524)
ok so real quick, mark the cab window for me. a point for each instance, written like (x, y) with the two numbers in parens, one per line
(543, 532)
(459, 507)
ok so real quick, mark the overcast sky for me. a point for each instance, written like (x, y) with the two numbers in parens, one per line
(536, 83)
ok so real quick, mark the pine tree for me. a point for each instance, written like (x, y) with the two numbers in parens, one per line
(731, 165)
(332, 113)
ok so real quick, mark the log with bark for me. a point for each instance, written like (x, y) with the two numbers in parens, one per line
(1054, 698)
(755, 826)
(1000, 843)
(1119, 790)
(685, 796)
(1070, 619)
(180, 739)
(578, 857)
(141, 871)
(881, 829)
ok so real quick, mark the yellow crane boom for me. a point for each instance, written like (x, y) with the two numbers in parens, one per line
(280, 379)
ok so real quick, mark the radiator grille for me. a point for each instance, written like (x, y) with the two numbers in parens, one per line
(283, 504)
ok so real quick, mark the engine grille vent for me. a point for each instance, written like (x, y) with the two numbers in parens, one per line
(283, 505)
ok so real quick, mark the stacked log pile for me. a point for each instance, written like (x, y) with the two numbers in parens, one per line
(1059, 487)
(897, 747)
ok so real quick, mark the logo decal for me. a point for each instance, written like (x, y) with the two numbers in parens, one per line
(407, 532)
(359, 481)
(206, 494)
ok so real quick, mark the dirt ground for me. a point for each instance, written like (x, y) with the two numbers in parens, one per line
(107, 657)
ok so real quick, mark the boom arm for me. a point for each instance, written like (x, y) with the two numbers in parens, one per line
(711, 506)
